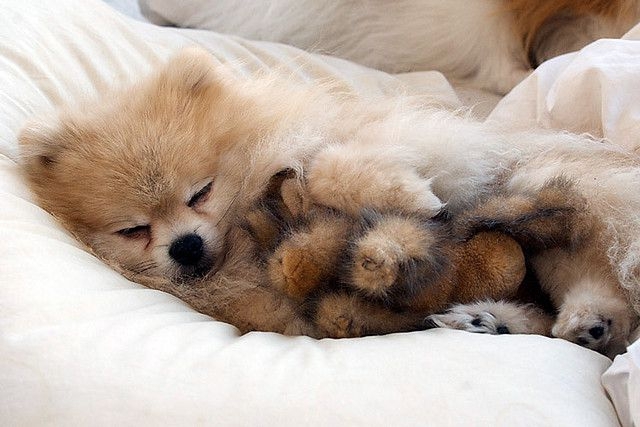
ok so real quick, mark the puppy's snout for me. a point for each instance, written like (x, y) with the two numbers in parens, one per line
(187, 249)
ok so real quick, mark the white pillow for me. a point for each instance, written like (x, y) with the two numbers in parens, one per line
(80, 345)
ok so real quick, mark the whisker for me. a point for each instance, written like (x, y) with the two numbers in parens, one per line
(144, 266)
(146, 269)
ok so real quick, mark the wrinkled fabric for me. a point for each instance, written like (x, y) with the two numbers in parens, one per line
(622, 382)
(594, 91)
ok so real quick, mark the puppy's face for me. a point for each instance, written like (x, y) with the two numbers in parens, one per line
(148, 178)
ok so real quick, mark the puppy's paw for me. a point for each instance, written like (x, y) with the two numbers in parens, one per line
(603, 328)
(414, 195)
(468, 319)
(344, 315)
(591, 331)
(394, 257)
(349, 180)
(481, 322)
(493, 317)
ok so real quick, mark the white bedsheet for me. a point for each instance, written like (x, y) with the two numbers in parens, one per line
(80, 345)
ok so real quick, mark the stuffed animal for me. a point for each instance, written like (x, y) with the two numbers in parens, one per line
(384, 272)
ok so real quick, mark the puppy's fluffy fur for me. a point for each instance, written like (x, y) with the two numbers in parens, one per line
(491, 44)
(190, 149)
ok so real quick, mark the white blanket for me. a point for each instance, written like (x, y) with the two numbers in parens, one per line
(80, 345)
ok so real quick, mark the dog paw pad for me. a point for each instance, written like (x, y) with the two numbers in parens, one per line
(597, 331)
(592, 332)
(502, 330)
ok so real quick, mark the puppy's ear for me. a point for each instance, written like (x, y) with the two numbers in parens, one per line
(40, 146)
(192, 69)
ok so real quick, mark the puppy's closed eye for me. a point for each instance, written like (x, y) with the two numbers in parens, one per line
(200, 196)
(137, 232)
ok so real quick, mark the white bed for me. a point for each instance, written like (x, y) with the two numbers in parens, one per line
(80, 345)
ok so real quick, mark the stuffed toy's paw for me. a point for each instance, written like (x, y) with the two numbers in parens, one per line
(393, 257)
(300, 244)
(308, 255)
(342, 314)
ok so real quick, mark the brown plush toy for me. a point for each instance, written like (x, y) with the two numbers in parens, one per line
(385, 272)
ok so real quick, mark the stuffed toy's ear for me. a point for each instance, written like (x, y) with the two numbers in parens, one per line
(191, 69)
(285, 194)
(267, 220)
(293, 196)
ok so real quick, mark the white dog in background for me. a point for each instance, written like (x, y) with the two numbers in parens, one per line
(488, 44)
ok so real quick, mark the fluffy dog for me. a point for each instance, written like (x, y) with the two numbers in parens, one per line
(155, 177)
(490, 44)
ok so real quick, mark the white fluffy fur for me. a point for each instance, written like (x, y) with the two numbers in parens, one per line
(471, 41)
(466, 40)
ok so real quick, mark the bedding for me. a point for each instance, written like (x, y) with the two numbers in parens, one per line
(594, 91)
(622, 382)
(80, 345)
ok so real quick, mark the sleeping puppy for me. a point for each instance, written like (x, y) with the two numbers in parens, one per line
(490, 44)
(154, 179)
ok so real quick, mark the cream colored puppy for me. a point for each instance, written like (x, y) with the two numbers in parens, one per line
(156, 177)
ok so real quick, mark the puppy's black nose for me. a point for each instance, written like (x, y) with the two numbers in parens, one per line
(187, 249)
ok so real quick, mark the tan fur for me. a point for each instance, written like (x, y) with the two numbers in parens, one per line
(138, 156)
(494, 255)
(489, 265)
(347, 316)
(383, 249)
(308, 258)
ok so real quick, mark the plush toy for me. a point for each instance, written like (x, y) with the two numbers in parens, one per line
(385, 272)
